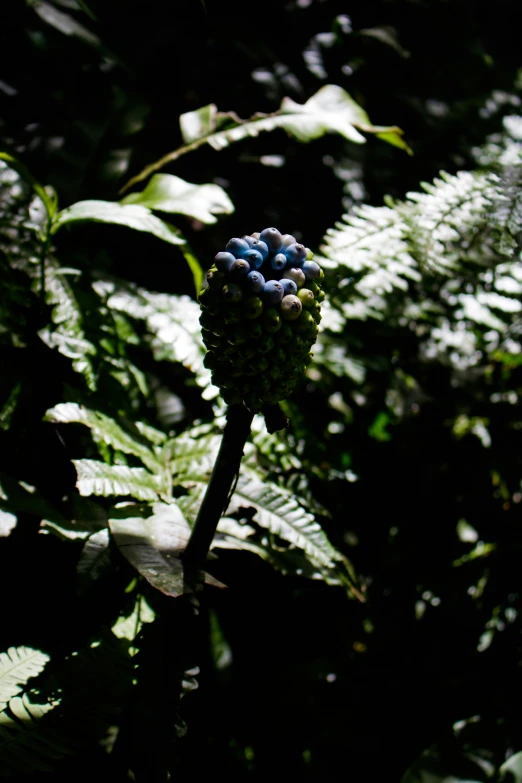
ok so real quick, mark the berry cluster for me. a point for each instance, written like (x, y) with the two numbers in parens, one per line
(260, 315)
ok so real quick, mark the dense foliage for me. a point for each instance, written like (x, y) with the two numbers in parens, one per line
(371, 618)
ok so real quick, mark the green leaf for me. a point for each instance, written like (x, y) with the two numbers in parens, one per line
(152, 540)
(131, 215)
(72, 710)
(49, 201)
(279, 512)
(17, 497)
(331, 109)
(104, 430)
(168, 193)
(94, 560)
(511, 770)
(17, 665)
(82, 518)
(7, 523)
(97, 478)
(64, 23)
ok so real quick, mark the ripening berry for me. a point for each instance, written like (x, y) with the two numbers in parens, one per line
(278, 262)
(297, 275)
(238, 247)
(273, 292)
(295, 254)
(309, 254)
(288, 239)
(273, 239)
(254, 282)
(249, 239)
(255, 234)
(306, 297)
(238, 270)
(254, 258)
(290, 308)
(311, 269)
(252, 307)
(232, 293)
(289, 286)
(271, 320)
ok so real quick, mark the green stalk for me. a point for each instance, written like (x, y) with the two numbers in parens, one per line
(226, 468)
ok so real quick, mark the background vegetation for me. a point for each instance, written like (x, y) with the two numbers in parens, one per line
(371, 621)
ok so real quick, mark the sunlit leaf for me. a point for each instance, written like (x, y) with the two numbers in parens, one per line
(97, 478)
(131, 215)
(511, 770)
(94, 559)
(167, 193)
(17, 666)
(152, 540)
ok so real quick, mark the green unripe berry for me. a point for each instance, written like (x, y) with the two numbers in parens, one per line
(254, 330)
(232, 293)
(309, 254)
(209, 298)
(247, 351)
(306, 297)
(285, 334)
(304, 322)
(209, 338)
(265, 344)
(232, 316)
(238, 336)
(216, 280)
(320, 295)
(252, 307)
(210, 361)
(271, 320)
(259, 364)
(278, 355)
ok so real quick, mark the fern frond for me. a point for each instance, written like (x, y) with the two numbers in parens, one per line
(98, 478)
(17, 666)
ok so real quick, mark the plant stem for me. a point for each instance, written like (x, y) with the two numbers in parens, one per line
(226, 468)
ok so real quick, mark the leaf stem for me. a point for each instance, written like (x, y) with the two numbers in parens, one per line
(226, 467)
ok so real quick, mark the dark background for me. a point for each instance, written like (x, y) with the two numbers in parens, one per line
(86, 115)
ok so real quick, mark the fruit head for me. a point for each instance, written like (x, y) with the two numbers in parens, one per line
(259, 317)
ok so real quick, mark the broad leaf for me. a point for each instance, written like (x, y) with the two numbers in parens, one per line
(97, 478)
(131, 215)
(331, 109)
(94, 559)
(278, 512)
(82, 518)
(152, 540)
(49, 200)
(104, 430)
(17, 666)
(192, 459)
(167, 193)
(511, 770)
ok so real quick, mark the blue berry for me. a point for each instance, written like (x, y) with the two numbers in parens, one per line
(273, 292)
(273, 239)
(249, 239)
(311, 269)
(237, 247)
(289, 286)
(278, 262)
(223, 261)
(253, 257)
(297, 275)
(232, 293)
(261, 247)
(254, 282)
(239, 269)
(288, 239)
(296, 254)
